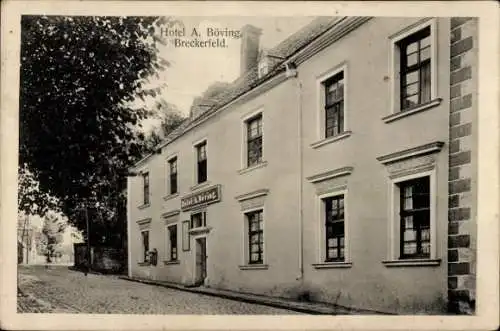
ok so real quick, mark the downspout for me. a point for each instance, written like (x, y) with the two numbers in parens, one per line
(292, 71)
(301, 213)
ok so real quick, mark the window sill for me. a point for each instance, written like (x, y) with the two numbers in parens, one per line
(254, 267)
(171, 196)
(332, 265)
(170, 262)
(329, 140)
(261, 164)
(412, 263)
(200, 230)
(143, 264)
(200, 185)
(144, 206)
(411, 111)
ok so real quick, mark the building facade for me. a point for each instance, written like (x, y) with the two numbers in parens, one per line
(340, 167)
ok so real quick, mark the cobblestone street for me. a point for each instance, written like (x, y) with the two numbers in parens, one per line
(60, 290)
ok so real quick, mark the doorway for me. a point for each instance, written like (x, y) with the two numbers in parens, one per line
(201, 261)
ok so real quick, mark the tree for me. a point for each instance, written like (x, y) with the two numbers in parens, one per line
(31, 199)
(79, 79)
(53, 228)
(170, 117)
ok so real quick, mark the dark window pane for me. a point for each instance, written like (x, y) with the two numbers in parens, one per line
(415, 217)
(145, 178)
(255, 237)
(334, 228)
(197, 220)
(202, 171)
(334, 105)
(145, 244)
(173, 242)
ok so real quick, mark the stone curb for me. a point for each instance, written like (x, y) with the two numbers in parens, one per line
(302, 307)
(44, 305)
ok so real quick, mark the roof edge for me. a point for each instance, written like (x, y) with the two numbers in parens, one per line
(342, 27)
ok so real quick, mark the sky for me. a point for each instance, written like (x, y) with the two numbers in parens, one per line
(192, 70)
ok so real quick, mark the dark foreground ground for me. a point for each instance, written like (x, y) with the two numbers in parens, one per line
(59, 290)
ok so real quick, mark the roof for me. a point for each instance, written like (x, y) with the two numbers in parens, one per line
(250, 79)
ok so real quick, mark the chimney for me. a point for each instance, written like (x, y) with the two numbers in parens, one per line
(249, 53)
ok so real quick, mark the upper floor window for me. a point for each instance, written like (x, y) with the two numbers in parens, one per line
(334, 105)
(263, 68)
(415, 69)
(145, 182)
(201, 155)
(172, 166)
(254, 140)
(334, 228)
(255, 237)
(415, 218)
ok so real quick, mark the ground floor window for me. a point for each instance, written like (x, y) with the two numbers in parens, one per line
(255, 236)
(334, 228)
(172, 237)
(198, 220)
(415, 228)
(145, 245)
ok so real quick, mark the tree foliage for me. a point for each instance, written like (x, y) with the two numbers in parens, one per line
(53, 229)
(31, 199)
(79, 78)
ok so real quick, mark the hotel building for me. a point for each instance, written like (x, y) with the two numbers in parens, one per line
(340, 167)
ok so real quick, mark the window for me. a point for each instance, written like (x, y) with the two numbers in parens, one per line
(145, 181)
(172, 235)
(201, 154)
(198, 220)
(172, 165)
(334, 228)
(263, 68)
(255, 237)
(254, 140)
(145, 245)
(415, 69)
(334, 105)
(415, 218)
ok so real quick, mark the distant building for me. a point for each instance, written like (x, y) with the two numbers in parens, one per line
(26, 247)
(341, 166)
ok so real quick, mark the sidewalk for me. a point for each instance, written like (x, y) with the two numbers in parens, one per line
(303, 307)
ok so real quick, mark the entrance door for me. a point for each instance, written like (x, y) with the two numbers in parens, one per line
(201, 261)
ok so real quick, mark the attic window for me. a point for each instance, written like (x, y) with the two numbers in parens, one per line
(263, 67)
